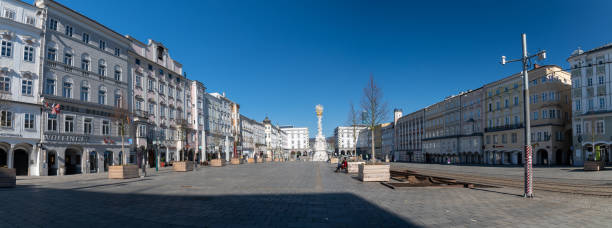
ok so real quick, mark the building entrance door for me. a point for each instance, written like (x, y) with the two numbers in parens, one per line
(51, 161)
(108, 160)
(20, 162)
(93, 162)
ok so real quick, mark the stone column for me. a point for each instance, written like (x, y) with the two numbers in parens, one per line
(10, 158)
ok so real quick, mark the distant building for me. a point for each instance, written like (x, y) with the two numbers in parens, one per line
(297, 140)
(346, 139)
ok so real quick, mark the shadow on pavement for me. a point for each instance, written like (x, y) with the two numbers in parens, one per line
(80, 208)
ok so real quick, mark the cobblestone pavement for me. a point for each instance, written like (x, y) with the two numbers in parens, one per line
(293, 194)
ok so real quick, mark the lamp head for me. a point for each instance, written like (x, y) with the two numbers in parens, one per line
(503, 60)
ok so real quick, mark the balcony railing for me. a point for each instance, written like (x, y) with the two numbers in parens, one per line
(504, 127)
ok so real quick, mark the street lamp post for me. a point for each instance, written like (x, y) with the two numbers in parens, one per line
(525, 60)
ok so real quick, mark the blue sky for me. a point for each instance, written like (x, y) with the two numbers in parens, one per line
(281, 58)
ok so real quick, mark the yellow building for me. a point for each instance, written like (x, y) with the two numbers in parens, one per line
(549, 112)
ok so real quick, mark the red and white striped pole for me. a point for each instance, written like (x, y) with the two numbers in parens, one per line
(528, 154)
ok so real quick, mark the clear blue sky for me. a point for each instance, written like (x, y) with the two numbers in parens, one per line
(281, 58)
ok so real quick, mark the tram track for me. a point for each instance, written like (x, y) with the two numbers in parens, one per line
(579, 189)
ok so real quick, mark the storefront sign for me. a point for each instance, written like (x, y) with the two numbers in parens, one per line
(10, 135)
(66, 138)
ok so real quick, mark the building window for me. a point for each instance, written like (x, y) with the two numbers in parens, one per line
(117, 100)
(85, 38)
(504, 139)
(5, 84)
(495, 139)
(151, 109)
(599, 127)
(53, 24)
(138, 105)
(8, 13)
(590, 104)
(601, 80)
(30, 20)
(85, 64)
(139, 81)
(105, 127)
(137, 61)
(84, 93)
(162, 111)
(52, 122)
(161, 88)
(488, 139)
(535, 115)
(7, 48)
(514, 138)
(602, 102)
(87, 126)
(68, 59)
(578, 105)
(117, 51)
(68, 30)
(142, 130)
(28, 54)
(102, 97)
(102, 68)
(26, 87)
(151, 84)
(544, 114)
(28, 121)
(50, 87)
(51, 54)
(6, 118)
(118, 75)
(69, 124)
(150, 67)
(506, 103)
(102, 45)
(578, 129)
(67, 90)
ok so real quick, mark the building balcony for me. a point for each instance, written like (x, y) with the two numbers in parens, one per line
(504, 127)
(141, 114)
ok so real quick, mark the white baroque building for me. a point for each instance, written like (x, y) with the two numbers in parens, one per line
(20, 72)
(346, 139)
(160, 101)
(85, 74)
(297, 140)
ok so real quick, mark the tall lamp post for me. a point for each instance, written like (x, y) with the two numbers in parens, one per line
(526, 60)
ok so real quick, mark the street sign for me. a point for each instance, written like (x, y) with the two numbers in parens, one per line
(130, 141)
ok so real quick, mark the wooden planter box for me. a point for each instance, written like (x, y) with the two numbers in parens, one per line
(374, 172)
(353, 167)
(216, 163)
(122, 171)
(182, 166)
(7, 178)
(235, 161)
(250, 160)
(333, 160)
(593, 165)
(268, 159)
(277, 160)
(260, 160)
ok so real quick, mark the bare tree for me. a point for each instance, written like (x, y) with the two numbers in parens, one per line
(121, 116)
(375, 109)
(353, 120)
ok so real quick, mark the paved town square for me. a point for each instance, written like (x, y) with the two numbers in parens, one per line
(288, 194)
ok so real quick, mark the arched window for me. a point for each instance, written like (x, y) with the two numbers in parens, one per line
(118, 73)
(102, 95)
(85, 62)
(68, 56)
(67, 87)
(85, 91)
(102, 67)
